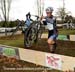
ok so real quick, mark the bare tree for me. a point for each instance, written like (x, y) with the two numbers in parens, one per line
(5, 6)
(40, 7)
(8, 9)
(61, 13)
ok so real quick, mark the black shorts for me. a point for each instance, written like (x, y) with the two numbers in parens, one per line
(50, 32)
(52, 35)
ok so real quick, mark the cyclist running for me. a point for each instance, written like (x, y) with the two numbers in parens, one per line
(50, 22)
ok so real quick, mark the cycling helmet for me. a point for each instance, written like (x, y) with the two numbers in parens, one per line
(49, 9)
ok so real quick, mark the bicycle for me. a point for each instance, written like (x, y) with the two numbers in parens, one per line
(34, 32)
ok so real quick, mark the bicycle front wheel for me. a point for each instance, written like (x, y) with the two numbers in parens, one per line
(30, 37)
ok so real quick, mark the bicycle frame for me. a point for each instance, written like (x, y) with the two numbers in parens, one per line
(34, 31)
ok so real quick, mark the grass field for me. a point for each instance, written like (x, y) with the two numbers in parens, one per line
(66, 31)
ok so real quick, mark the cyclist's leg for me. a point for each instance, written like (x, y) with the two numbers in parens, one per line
(52, 43)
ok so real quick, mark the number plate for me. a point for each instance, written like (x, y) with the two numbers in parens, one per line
(49, 26)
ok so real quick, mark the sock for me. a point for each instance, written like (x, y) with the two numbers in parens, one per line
(53, 48)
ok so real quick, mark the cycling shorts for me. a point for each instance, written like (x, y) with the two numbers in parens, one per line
(52, 35)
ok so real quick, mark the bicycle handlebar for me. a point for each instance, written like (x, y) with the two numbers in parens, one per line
(35, 16)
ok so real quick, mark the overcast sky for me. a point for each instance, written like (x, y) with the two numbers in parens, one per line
(20, 7)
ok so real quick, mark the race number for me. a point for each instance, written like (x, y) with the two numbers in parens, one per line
(49, 26)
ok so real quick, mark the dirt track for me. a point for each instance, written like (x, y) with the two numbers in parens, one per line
(63, 47)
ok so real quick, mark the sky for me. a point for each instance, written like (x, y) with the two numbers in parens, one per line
(19, 8)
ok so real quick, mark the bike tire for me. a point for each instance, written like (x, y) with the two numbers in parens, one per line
(28, 42)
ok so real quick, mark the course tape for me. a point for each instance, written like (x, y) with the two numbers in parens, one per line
(62, 37)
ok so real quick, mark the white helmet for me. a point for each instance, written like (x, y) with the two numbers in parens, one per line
(49, 9)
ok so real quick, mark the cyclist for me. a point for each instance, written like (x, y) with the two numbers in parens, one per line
(50, 22)
(28, 19)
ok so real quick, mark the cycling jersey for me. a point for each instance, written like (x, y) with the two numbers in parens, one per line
(28, 22)
(51, 25)
(52, 22)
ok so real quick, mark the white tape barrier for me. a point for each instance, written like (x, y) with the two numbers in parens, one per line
(55, 61)
(72, 37)
(44, 36)
(10, 33)
(63, 37)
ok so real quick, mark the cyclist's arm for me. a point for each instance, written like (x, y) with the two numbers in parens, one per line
(43, 20)
(42, 17)
(31, 19)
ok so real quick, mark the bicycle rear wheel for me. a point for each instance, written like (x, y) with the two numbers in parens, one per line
(29, 37)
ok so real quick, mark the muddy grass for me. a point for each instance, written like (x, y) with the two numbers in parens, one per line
(63, 48)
